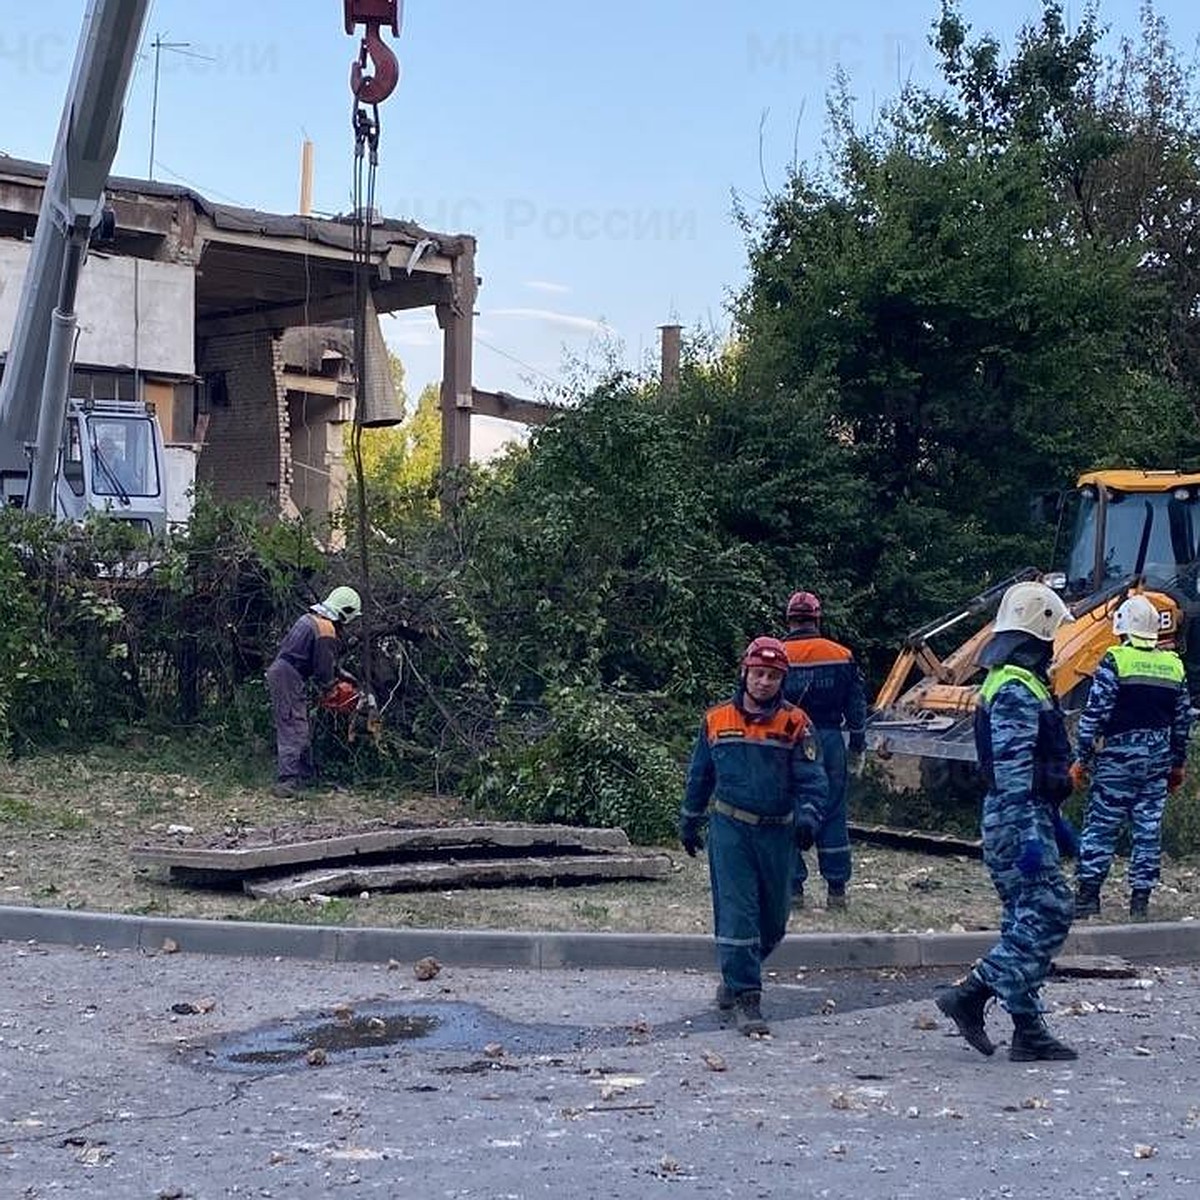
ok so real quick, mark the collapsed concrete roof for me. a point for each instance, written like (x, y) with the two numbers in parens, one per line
(258, 270)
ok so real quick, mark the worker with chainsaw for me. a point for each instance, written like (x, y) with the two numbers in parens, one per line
(1024, 757)
(1133, 744)
(756, 781)
(307, 657)
(825, 681)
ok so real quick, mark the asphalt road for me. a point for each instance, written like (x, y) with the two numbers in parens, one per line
(513, 1084)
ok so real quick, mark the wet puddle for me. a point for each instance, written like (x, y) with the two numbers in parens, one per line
(376, 1030)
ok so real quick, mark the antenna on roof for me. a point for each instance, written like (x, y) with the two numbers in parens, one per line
(159, 46)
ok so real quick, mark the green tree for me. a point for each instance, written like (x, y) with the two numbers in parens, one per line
(401, 462)
(948, 283)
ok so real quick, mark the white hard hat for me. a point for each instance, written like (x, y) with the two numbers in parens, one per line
(342, 604)
(1032, 608)
(1137, 619)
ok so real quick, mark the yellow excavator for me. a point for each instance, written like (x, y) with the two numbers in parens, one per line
(1130, 531)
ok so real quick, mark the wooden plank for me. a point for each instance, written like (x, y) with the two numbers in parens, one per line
(944, 844)
(513, 408)
(1093, 966)
(277, 852)
(478, 873)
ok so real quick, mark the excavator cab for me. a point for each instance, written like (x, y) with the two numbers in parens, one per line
(1121, 531)
(1108, 513)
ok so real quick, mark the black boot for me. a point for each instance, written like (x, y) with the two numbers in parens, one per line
(1033, 1042)
(1139, 904)
(1087, 898)
(964, 1004)
(725, 998)
(835, 896)
(749, 1014)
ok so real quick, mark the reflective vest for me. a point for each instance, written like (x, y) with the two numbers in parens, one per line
(1051, 751)
(1148, 683)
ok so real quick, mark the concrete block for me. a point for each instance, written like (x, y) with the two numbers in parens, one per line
(461, 947)
(628, 951)
(62, 927)
(263, 939)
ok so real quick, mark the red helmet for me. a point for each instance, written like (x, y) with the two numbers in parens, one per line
(804, 606)
(766, 652)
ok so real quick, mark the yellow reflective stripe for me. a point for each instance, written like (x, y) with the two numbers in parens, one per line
(997, 677)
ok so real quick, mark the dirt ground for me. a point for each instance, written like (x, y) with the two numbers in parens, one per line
(67, 824)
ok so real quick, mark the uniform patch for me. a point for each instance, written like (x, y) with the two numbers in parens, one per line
(809, 746)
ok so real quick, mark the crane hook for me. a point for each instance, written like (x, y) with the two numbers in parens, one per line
(374, 76)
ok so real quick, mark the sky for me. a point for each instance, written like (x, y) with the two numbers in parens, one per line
(594, 150)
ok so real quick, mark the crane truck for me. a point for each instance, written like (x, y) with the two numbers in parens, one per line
(1129, 531)
(71, 457)
(59, 455)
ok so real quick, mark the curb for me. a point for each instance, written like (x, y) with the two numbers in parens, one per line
(1153, 942)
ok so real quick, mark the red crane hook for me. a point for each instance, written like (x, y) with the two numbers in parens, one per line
(376, 82)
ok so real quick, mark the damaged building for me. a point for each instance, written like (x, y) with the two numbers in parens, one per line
(237, 326)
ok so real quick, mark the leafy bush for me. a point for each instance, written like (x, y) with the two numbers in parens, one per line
(1181, 818)
(593, 764)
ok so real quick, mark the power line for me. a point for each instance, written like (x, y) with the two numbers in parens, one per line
(519, 362)
(207, 192)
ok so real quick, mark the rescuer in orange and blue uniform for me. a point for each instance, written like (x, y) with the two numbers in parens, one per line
(825, 681)
(758, 760)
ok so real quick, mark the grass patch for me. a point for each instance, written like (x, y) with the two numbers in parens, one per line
(16, 810)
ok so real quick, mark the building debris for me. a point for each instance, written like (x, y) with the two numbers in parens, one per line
(301, 862)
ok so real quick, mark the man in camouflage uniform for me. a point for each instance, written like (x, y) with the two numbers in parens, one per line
(756, 766)
(825, 681)
(1139, 713)
(1023, 753)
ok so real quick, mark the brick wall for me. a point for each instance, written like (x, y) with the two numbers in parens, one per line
(246, 454)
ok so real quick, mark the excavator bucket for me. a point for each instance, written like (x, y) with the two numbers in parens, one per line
(933, 718)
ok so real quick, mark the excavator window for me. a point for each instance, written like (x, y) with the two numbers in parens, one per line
(1109, 531)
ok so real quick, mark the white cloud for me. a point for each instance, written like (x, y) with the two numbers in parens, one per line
(490, 437)
(416, 328)
(544, 285)
(546, 316)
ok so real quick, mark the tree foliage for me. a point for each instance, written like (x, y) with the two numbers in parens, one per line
(966, 279)
(989, 289)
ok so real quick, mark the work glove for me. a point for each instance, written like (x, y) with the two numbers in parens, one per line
(1175, 778)
(856, 762)
(1066, 836)
(1032, 857)
(806, 833)
(1079, 776)
(691, 835)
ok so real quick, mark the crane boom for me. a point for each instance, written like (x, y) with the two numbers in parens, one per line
(35, 386)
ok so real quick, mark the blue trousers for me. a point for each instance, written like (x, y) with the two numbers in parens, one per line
(1036, 910)
(833, 837)
(750, 867)
(293, 733)
(1129, 785)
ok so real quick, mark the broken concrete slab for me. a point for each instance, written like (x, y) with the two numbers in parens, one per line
(256, 850)
(493, 872)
